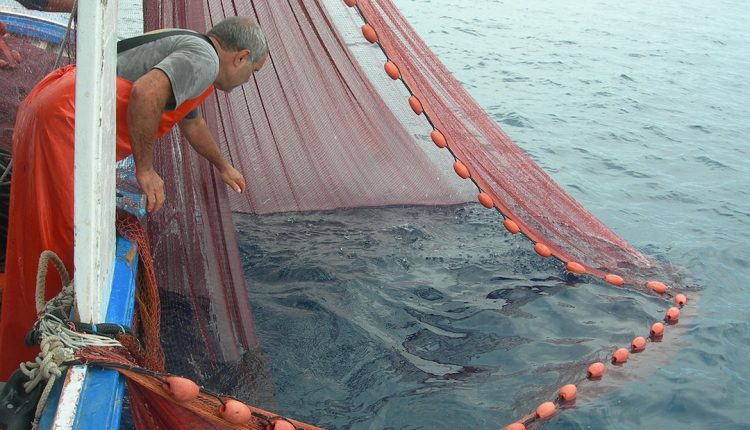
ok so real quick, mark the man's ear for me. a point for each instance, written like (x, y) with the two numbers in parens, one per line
(244, 54)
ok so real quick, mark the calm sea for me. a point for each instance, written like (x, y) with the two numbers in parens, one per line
(416, 318)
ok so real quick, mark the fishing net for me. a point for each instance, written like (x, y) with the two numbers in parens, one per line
(323, 126)
(29, 51)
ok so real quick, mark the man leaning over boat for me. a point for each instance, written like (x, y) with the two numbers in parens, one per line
(162, 77)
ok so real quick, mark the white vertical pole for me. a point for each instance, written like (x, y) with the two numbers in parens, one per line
(95, 156)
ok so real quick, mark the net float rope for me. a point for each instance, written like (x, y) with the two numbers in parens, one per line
(595, 371)
(463, 170)
(189, 395)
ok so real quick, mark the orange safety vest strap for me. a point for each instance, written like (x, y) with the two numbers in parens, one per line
(168, 119)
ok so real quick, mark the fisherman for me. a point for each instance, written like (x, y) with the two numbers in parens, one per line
(163, 77)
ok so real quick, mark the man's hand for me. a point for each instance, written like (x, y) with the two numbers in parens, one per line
(232, 177)
(12, 57)
(198, 135)
(153, 187)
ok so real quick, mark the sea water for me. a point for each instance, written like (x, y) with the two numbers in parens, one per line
(413, 317)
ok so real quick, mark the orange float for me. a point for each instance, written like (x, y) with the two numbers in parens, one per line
(511, 226)
(545, 410)
(416, 105)
(235, 412)
(283, 425)
(461, 169)
(391, 69)
(574, 267)
(370, 34)
(596, 370)
(672, 315)
(568, 392)
(182, 389)
(620, 356)
(515, 426)
(638, 344)
(350, 3)
(485, 200)
(657, 330)
(438, 139)
(680, 300)
(614, 279)
(542, 249)
(657, 287)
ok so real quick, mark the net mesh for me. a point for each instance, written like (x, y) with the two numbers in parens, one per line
(322, 127)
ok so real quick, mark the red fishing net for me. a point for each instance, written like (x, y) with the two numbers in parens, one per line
(322, 126)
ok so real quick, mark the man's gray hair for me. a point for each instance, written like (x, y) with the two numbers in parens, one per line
(238, 33)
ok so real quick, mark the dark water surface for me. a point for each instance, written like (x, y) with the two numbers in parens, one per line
(434, 318)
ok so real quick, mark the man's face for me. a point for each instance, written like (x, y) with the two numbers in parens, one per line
(242, 69)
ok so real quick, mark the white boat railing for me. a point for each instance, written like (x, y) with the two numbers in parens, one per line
(95, 157)
(91, 399)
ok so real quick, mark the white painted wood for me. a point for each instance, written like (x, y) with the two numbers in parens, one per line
(95, 156)
(71, 392)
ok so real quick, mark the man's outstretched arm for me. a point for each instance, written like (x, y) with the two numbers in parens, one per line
(199, 136)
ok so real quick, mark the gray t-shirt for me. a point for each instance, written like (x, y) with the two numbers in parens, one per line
(190, 63)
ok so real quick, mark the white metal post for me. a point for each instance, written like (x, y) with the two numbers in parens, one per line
(95, 156)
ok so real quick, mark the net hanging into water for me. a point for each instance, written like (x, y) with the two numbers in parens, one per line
(322, 126)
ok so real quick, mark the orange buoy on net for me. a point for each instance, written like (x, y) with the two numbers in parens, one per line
(596, 370)
(620, 356)
(391, 69)
(485, 200)
(370, 34)
(350, 3)
(461, 169)
(235, 412)
(511, 226)
(416, 105)
(542, 249)
(283, 425)
(182, 389)
(545, 410)
(614, 279)
(657, 330)
(657, 287)
(672, 315)
(680, 300)
(438, 139)
(568, 392)
(574, 267)
(515, 426)
(638, 344)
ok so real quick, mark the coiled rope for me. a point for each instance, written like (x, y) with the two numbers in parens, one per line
(58, 341)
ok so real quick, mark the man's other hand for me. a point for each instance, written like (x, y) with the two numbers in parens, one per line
(152, 186)
(233, 178)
